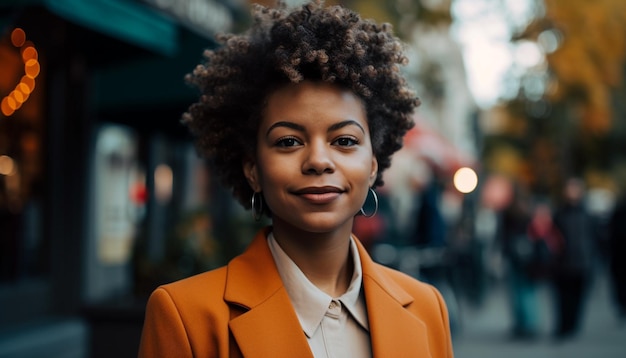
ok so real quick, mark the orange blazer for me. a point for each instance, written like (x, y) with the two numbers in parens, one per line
(243, 310)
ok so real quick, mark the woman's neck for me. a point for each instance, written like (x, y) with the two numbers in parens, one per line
(324, 258)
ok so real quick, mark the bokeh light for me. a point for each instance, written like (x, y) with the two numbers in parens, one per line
(163, 183)
(14, 100)
(18, 37)
(465, 180)
(32, 68)
(4, 106)
(28, 81)
(7, 165)
(29, 53)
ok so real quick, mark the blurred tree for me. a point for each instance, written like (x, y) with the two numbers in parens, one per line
(404, 14)
(589, 62)
(575, 127)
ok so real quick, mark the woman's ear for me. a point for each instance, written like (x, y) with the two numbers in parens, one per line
(374, 172)
(251, 173)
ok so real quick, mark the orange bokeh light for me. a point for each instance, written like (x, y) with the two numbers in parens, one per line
(29, 53)
(18, 37)
(25, 87)
(28, 81)
(4, 106)
(18, 96)
(11, 103)
(32, 68)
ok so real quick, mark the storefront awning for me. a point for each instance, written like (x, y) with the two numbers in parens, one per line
(126, 20)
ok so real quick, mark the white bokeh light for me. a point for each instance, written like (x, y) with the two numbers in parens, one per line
(484, 29)
(465, 180)
(528, 54)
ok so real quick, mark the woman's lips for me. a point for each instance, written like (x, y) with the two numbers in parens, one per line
(319, 196)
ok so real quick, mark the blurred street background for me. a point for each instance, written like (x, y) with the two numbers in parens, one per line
(509, 194)
(485, 331)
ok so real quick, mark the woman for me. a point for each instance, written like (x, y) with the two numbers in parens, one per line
(300, 115)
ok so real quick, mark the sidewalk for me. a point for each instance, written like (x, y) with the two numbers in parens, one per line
(484, 331)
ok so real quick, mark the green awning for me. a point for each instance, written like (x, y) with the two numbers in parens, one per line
(126, 20)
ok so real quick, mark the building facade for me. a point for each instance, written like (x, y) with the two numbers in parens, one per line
(97, 175)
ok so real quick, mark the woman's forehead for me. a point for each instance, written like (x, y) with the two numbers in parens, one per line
(319, 100)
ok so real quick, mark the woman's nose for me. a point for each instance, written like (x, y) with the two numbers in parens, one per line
(318, 159)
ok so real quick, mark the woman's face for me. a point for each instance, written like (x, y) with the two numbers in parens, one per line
(314, 161)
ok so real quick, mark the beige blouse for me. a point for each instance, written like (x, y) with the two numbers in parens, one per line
(335, 327)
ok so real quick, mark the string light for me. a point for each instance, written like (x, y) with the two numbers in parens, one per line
(14, 100)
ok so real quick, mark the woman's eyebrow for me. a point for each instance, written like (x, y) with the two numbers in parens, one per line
(346, 123)
(291, 125)
(301, 128)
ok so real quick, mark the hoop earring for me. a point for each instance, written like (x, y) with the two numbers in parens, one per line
(375, 205)
(257, 211)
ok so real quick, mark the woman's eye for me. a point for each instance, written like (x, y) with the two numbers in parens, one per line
(346, 141)
(287, 142)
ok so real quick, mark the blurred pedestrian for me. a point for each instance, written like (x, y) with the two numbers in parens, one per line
(574, 265)
(300, 115)
(546, 240)
(517, 250)
(617, 256)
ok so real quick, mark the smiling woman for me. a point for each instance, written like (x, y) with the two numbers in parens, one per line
(301, 115)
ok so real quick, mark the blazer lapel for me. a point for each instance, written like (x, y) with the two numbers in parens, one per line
(269, 330)
(394, 331)
(270, 327)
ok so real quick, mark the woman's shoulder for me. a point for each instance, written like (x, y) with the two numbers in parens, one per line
(419, 290)
(202, 286)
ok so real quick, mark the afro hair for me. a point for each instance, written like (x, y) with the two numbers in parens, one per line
(289, 45)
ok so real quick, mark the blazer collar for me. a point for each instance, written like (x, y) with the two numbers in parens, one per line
(394, 331)
(270, 327)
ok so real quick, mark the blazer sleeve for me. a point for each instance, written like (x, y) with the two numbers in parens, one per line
(164, 333)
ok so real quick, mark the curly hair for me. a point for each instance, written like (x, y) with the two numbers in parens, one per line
(311, 42)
